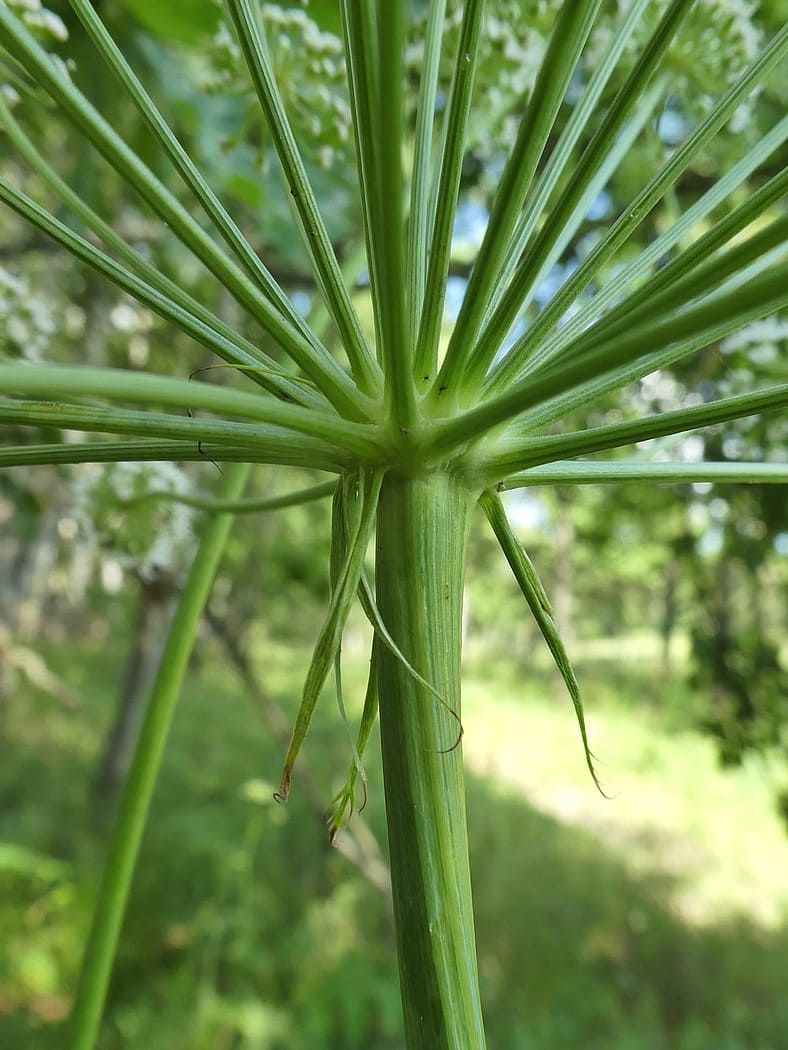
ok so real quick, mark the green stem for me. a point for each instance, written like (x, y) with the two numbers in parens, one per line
(439, 253)
(627, 470)
(183, 163)
(245, 15)
(138, 790)
(238, 506)
(710, 320)
(520, 455)
(570, 32)
(145, 388)
(420, 564)
(590, 161)
(307, 352)
(419, 221)
(397, 354)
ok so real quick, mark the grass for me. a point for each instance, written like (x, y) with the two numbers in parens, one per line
(646, 921)
(716, 837)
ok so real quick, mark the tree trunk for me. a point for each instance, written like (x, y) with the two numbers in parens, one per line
(34, 577)
(671, 578)
(150, 633)
(420, 564)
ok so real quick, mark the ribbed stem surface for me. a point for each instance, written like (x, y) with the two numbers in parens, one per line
(420, 563)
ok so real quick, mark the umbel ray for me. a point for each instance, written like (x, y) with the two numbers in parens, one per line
(417, 419)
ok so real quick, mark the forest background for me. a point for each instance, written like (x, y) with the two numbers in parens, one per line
(653, 919)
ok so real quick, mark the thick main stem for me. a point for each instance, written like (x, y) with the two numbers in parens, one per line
(420, 564)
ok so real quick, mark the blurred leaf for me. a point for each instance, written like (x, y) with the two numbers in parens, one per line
(25, 861)
(175, 21)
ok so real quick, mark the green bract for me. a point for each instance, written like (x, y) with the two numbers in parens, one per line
(414, 424)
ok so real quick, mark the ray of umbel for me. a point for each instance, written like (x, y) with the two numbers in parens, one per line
(412, 425)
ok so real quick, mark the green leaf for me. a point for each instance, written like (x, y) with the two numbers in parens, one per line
(383, 635)
(535, 596)
(345, 521)
(19, 860)
(344, 801)
(330, 635)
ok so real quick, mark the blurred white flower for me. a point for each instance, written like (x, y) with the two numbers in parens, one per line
(27, 321)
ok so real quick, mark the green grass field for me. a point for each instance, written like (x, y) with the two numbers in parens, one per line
(652, 920)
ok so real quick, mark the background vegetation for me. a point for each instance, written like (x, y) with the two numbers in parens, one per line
(654, 919)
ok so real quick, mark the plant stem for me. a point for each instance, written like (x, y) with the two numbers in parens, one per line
(138, 790)
(420, 564)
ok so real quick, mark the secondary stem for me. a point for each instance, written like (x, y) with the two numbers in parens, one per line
(420, 563)
(141, 781)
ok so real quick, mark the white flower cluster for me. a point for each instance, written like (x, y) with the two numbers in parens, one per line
(309, 66)
(764, 339)
(753, 358)
(27, 322)
(150, 535)
(760, 345)
(512, 50)
(715, 42)
(44, 24)
(40, 19)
